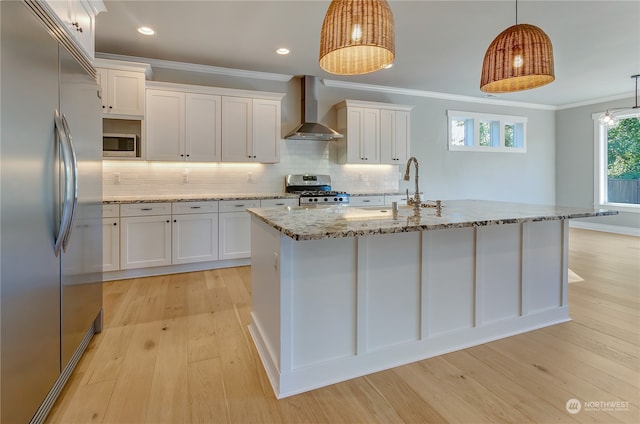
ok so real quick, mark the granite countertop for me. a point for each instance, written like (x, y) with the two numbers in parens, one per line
(302, 223)
(159, 198)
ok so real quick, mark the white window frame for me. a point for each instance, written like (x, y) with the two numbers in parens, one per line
(600, 174)
(478, 117)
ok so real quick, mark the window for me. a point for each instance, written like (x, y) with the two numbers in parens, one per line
(617, 155)
(483, 132)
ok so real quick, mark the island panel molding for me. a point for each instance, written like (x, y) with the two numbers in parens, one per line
(399, 294)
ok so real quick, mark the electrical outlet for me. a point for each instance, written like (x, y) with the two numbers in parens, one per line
(249, 177)
(116, 178)
(185, 176)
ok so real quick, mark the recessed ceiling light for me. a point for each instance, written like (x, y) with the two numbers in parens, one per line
(282, 51)
(146, 31)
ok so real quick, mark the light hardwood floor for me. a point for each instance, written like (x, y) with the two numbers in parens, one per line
(176, 349)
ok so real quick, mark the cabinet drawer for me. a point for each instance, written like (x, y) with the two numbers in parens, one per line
(145, 209)
(270, 203)
(366, 200)
(238, 205)
(111, 211)
(194, 207)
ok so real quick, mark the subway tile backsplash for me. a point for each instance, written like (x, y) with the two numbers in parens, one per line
(131, 178)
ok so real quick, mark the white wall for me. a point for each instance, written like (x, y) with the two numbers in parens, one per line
(528, 177)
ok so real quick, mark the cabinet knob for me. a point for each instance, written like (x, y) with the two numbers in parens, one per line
(115, 223)
(168, 222)
(110, 107)
(103, 106)
(188, 155)
(181, 156)
(173, 220)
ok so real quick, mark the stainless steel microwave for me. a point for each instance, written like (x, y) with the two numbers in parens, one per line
(119, 145)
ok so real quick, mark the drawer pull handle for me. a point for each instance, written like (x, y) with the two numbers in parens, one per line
(239, 206)
(366, 201)
(195, 207)
(146, 209)
(279, 204)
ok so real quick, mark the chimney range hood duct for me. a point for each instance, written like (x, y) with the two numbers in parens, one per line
(310, 129)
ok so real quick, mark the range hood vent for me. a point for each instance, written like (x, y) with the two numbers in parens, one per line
(310, 129)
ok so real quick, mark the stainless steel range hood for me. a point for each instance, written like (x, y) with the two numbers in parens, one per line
(310, 129)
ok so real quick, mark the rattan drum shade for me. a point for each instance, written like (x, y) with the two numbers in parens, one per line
(520, 58)
(357, 37)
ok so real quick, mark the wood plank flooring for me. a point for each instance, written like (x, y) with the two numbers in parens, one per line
(176, 349)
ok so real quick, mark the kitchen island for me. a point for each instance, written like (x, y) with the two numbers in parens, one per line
(342, 292)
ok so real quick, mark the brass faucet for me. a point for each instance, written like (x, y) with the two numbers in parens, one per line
(415, 201)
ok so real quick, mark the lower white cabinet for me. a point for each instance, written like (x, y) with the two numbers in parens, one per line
(366, 201)
(110, 237)
(235, 228)
(272, 203)
(194, 235)
(145, 235)
(145, 241)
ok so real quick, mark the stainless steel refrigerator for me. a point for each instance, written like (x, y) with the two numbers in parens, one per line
(50, 211)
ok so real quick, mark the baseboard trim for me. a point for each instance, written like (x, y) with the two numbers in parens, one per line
(173, 269)
(617, 229)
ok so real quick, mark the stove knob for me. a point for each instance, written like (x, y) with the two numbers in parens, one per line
(339, 199)
(325, 199)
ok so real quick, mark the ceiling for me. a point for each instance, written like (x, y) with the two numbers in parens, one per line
(440, 45)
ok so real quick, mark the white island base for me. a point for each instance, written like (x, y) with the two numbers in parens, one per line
(327, 310)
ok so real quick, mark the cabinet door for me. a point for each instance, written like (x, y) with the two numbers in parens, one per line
(125, 92)
(394, 136)
(102, 78)
(237, 134)
(165, 127)
(203, 129)
(366, 201)
(83, 25)
(110, 244)
(371, 136)
(145, 241)
(194, 238)
(363, 135)
(266, 130)
(234, 235)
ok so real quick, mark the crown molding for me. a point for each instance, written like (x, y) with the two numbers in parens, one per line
(432, 94)
(595, 101)
(192, 67)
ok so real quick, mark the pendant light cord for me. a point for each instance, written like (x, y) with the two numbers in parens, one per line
(636, 77)
(517, 15)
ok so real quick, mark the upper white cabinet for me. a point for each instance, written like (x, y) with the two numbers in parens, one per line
(209, 124)
(394, 136)
(182, 126)
(250, 130)
(78, 18)
(375, 133)
(122, 92)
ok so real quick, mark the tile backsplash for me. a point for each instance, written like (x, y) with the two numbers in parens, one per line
(131, 178)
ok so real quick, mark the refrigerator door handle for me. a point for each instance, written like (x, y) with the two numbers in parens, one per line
(68, 184)
(73, 185)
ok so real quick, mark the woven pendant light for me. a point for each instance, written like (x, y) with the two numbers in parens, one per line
(520, 58)
(357, 37)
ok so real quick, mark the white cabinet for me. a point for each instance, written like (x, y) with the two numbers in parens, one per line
(182, 126)
(366, 201)
(165, 124)
(394, 136)
(110, 237)
(400, 198)
(250, 130)
(122, 92)
(78, 18)
(271, 203)
(374, 132)
(362, 144)
(235, 228)
(203, 127)
(145, 235)
(194, 232)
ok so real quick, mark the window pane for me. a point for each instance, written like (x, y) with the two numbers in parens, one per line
(623, 162)
(490, 133)
(461, 132)
(514, 134)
